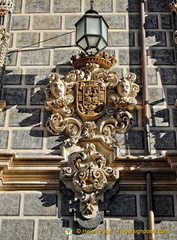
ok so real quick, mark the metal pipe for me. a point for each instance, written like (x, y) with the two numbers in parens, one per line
(145, 99)
(150, 213)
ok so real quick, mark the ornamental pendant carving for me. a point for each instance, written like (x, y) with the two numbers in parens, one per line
(91, 105)
(89, 175)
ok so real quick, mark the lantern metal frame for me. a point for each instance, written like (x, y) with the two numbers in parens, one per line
(92, 14)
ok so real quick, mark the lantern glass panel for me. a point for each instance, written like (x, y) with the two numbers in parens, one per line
(102, 44)
(104, 31)
(80, 29)
(83, 43)
(92, 25)
(92, 41)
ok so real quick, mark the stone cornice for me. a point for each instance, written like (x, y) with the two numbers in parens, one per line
(43, 173)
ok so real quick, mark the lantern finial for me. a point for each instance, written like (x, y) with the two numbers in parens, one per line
(91, 4)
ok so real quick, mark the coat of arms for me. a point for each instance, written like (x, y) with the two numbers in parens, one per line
(91, 98)
(91, 105)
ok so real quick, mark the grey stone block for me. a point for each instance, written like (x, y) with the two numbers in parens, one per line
(20, 22)
(27, 39)
(171, 95)
(22, 117)
(134, 21)
(135, 139)
(116, 21)
(63, 56)
(37, 97)
(37, 76)
(13, 77)
(175, 117)
(11, 40)
(100, 5)
(139, 225)
(17, 229)
(123, 205)
(155, 39)
(156, 96)
(14, 96)
(55, 142)
(166, 21)
(99, 233)
(51, 230)
(2, 118)
(24, 139)
(4, 134)
(164, 140)
(152, 76)
(171, 230)
(159, 117)
(52, 39)
(162, 205)
(18, 6)
(131, 57)
(158, 6)
(47, 22)
(163, 56)
(119, 71)
(70, 21)
(168, 76)
(10, 204)
(40, 204)
(125, 5)
(67, 6)
(36, 57)
(12, 58)
(151, 21)
(119, 228)
(171, 39)
(121, 39)
(37, 6)
(137, 71)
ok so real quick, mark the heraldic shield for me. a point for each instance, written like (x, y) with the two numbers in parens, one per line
(91, 99)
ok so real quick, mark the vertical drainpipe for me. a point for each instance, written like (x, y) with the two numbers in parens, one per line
(150, 213)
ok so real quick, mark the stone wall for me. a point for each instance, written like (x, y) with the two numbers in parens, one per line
(43, 39)
(43, 215)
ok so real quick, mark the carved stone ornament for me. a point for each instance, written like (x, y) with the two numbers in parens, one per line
(5, 7)
(89, 173)
(4, 40)
(91, 105)
(91, 102)
(173, 6)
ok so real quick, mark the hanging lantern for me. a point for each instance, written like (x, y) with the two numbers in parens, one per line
(92, 32)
